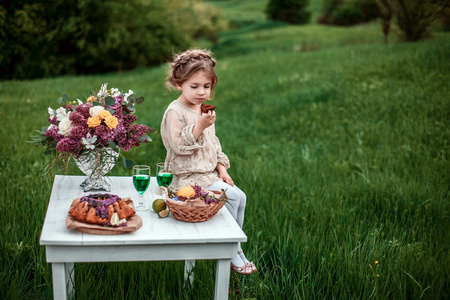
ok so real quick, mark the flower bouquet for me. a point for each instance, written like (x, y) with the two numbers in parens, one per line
(93, 132)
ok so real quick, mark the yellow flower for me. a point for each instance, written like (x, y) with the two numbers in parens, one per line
(104, 114)
(94, 121)
(91, 98)
(111, 122)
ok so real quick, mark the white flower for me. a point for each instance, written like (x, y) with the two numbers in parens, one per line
(103, 90)
(61, 113)
(126, 95)
(114, 92)
(65, 126)
(51, 112)
(50, 127)
(89, 141)
(94, 110)
(80, 102)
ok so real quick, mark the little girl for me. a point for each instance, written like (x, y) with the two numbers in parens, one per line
(193, 149)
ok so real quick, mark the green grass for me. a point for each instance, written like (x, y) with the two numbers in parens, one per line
(343, 151)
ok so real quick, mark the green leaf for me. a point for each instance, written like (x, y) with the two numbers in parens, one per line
(65, 97)
(132, 98)
(112, 111)
(60, 100)
(96, 103)
(91, 93)
(113, 145)
(144, 138)
(110, 101)
(127, 163)
(130, 107)
(140, 100)
(46, 152)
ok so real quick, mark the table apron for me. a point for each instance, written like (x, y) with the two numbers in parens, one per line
(159, 252)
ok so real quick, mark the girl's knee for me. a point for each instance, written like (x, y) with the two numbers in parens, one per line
(236, 194)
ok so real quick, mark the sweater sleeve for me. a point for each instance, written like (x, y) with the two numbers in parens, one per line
(221, 157)
(179, 136)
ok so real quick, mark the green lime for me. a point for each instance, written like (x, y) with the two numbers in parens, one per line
(159, 205)
(163, 213)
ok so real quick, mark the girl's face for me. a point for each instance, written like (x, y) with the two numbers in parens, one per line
(195, 90)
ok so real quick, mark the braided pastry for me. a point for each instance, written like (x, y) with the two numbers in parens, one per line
(99, 208)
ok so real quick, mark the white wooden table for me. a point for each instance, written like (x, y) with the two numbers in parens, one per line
(159, 239)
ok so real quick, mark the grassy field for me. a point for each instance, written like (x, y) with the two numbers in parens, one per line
(341, 143)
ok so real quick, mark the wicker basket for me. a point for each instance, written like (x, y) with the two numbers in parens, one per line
(194, 211)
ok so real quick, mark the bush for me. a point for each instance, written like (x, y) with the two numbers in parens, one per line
(291, 11)
(350, 12)
(43, 39)
(414, 18)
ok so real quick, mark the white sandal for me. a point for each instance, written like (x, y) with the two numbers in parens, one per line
(245, 260)
(244, 270)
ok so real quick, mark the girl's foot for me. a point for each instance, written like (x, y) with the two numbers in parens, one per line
(246, 261)
(238, 266)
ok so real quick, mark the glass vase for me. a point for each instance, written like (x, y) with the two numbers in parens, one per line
(95, 164)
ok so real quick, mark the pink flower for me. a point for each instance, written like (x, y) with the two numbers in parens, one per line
(103, 134)
(67, 145)
(77, 118)
(84, 110)
(78, 132)
(53, 133)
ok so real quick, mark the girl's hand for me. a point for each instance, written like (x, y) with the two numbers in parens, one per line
(206, 120)
(203, 122)
(226, 178)
(223, 174)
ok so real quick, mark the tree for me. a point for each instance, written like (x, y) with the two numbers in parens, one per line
(414, 18)
(41, 38)
(291, 11)
(386, 16)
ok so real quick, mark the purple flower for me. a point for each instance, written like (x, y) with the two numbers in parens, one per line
(84, 109)
(78, 118)
(128, 120)
(78, 132)
(103, 134)
(118, 104)
(53, 120)
(67, 145)
(210, 200)
(53, 133)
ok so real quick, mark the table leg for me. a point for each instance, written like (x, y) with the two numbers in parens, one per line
(70, 278)
(59, 281)
(188, 271)
(222, 279)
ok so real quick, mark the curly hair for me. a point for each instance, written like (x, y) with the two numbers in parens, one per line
(188, 63)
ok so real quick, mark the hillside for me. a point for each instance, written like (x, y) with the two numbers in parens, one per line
(340, 142)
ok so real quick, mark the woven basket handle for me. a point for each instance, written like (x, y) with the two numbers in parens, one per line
(164, 191)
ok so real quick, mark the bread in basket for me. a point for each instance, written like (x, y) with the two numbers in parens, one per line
(198, 208)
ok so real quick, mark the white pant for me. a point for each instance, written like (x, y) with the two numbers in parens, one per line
(236, 200)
